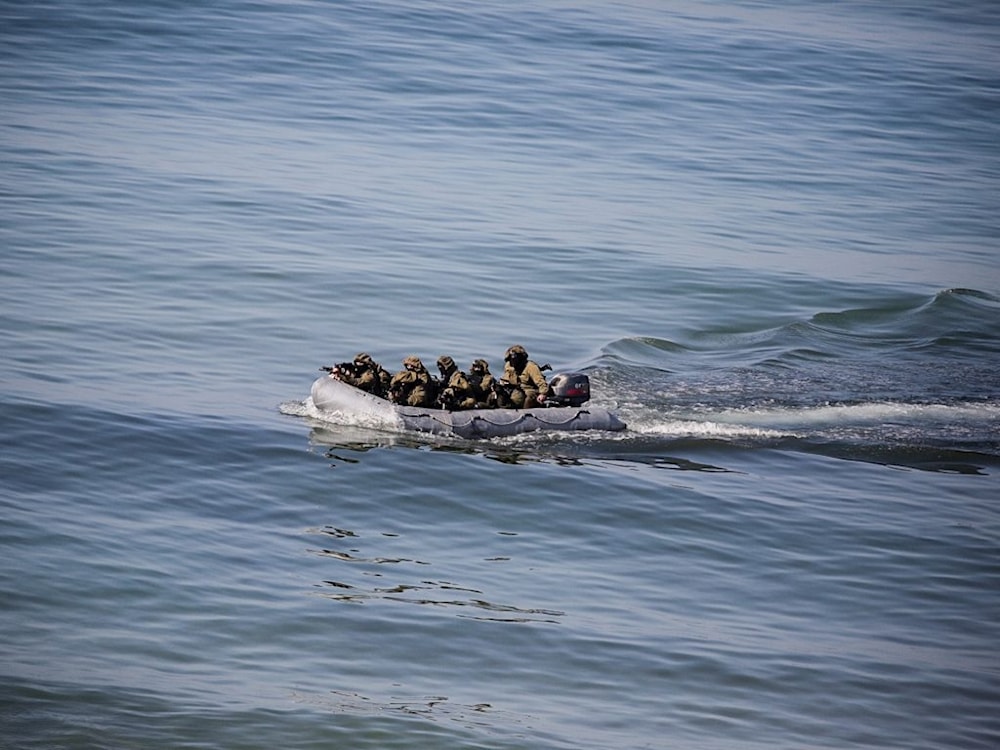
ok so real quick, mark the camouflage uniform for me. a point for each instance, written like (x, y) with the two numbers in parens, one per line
(456, 391)
(526, 378)
(412, 386)
(481, 380)
(368, 375)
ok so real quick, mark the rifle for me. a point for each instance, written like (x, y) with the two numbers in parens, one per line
(399, 391)
(501, 388)
(446, 399)
(347, 368)
(501, 393)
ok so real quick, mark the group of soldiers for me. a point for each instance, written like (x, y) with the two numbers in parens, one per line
(521, 386)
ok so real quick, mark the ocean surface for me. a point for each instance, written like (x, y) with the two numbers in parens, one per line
(768, 231)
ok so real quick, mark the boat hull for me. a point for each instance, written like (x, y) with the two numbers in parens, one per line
(332, 395)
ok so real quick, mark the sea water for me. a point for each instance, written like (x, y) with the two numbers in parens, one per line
(766, 231)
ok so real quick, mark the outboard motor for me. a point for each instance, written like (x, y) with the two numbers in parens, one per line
(568, 389)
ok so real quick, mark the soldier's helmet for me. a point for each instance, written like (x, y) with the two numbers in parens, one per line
(362, 359)
(515, 352)
(445, 363)
(413, 361)
(480, 365)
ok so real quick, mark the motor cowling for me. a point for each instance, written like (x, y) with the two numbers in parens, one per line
(568, 389)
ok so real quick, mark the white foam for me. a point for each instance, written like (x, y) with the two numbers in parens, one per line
(365, 419)
(858, 414)
(792, 422)
(702, 428)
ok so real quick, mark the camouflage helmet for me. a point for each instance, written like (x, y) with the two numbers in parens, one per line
(481, 365)
(515, 352)
(445, 362)
(362, 358)
(413, 361)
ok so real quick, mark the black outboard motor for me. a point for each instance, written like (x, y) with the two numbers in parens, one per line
(568, 389)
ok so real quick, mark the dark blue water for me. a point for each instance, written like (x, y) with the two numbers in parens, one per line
(768, 232)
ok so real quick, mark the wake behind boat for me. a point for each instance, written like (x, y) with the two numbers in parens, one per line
(329, 394)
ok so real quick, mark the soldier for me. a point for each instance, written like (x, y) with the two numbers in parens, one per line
(528, 386)
(456, 392)
(368, 375)
(412, 385)
(481, 380)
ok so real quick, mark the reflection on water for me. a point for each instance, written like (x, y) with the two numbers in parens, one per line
(434, 708)
(402, 593)
(416, 588)
(888, 446)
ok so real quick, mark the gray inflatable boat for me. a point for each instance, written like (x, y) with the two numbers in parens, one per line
(334, 396)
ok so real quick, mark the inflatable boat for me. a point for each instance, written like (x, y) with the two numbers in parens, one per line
(333, 396)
